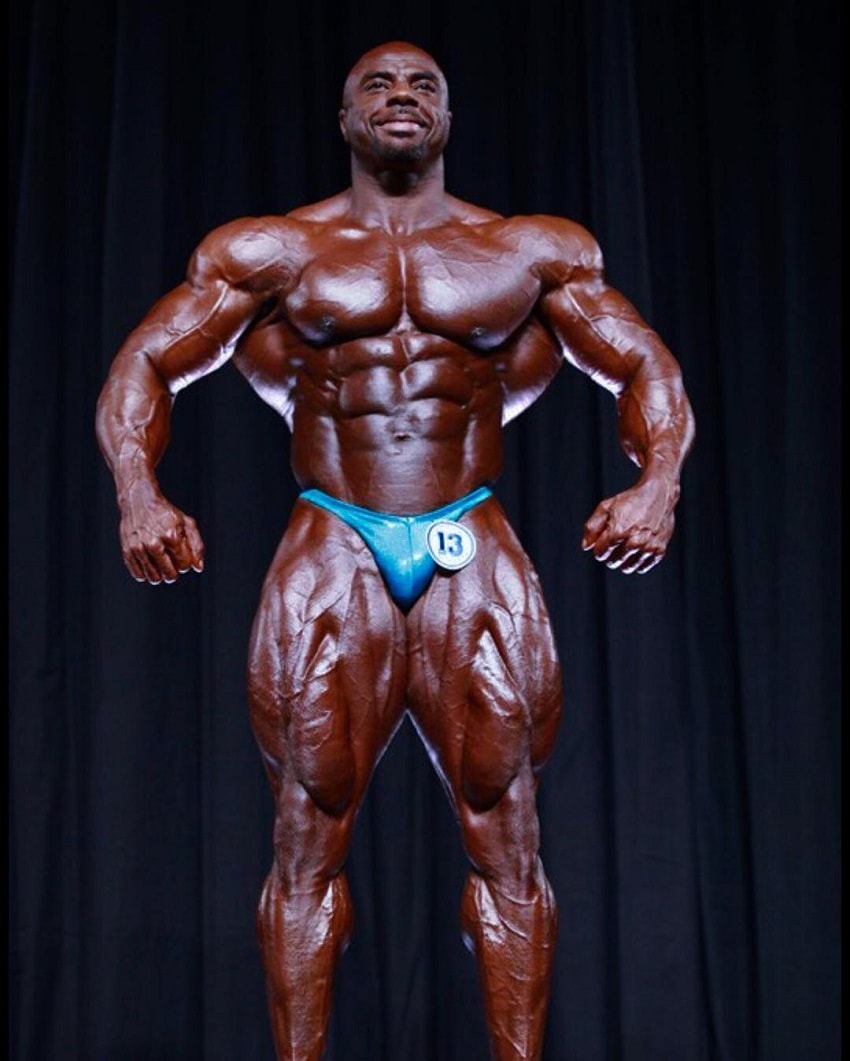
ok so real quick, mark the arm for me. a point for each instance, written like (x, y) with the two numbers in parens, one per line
(189, 333)
(604, 336)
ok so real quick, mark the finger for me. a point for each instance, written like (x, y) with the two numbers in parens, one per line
(620, 556)
(633, 543)
(134, 567)
(642, 562)
(606, 550)
(650, 563)
(594, 527)
(161, 559)
(147, 566)
(182, 555)
(195, 543)
(608, 546)
(635, 563)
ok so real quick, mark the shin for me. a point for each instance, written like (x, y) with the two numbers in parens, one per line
(302, 934)
(512, 934)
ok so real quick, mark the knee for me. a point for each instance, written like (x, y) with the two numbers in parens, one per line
(513, 869)
(280, 908)
(310, 846)
(489, 906)
(503, 843)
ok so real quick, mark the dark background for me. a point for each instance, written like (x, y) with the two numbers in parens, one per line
(690, 814)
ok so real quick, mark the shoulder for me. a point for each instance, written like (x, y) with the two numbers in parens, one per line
(256, 253)
(560, 250)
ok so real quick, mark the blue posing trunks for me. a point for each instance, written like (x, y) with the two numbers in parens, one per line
(398, 543)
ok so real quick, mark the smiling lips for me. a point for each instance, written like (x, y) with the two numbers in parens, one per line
(402, 122)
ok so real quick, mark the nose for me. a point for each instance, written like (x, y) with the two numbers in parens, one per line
(402, 96)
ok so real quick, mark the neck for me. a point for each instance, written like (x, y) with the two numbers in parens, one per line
(398, 200)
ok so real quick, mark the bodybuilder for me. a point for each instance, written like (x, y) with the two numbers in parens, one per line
(396, 329)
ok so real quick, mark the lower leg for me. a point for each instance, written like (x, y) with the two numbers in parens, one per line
(512, 934)
(302, 934)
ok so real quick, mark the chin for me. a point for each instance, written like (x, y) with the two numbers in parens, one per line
(402, 152)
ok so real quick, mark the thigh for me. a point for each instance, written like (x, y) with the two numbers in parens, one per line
(326, 669)
(484, 682)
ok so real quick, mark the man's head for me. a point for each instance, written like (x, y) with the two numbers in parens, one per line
(395, 106)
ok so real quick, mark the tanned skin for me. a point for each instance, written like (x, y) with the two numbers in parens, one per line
(396, 329)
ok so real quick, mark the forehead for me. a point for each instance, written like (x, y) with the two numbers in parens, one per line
(398, 59)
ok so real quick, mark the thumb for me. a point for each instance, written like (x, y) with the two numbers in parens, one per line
(594, 526)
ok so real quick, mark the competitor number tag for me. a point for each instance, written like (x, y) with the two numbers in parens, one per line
(450, 544)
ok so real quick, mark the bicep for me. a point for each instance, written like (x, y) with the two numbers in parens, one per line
(195, 328)
(602, 333)
(191, 331)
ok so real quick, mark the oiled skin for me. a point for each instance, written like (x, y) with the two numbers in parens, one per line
(396, 329)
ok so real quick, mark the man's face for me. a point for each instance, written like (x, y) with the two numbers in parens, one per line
(395, 106)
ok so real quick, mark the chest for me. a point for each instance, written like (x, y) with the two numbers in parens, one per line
(474, 290)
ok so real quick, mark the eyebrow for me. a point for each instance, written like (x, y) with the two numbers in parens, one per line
(421, 75)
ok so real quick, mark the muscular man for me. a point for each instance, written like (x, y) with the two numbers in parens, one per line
(396, 329)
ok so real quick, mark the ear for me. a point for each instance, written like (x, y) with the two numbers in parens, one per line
(342, 124)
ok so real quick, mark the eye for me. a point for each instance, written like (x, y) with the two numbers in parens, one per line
(425, 86)
(376, 83)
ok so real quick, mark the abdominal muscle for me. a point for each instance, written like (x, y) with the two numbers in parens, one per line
(402, 423)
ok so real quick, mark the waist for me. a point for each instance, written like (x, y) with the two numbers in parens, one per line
(447, 511)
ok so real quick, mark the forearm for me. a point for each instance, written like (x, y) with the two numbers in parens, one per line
(656, 422)
(158, 541)
(133, 422)
(631, 530)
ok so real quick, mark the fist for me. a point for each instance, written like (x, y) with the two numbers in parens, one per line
(159, 542)
(630, 531)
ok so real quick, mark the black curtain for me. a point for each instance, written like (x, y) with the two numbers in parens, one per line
(690, 814)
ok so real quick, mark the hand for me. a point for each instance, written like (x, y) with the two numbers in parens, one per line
(630, 531)
(158, 541)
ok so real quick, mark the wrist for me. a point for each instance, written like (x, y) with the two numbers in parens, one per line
(138, 488)
(660, 477)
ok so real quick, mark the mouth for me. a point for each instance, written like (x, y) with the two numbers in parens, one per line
(402, 123)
